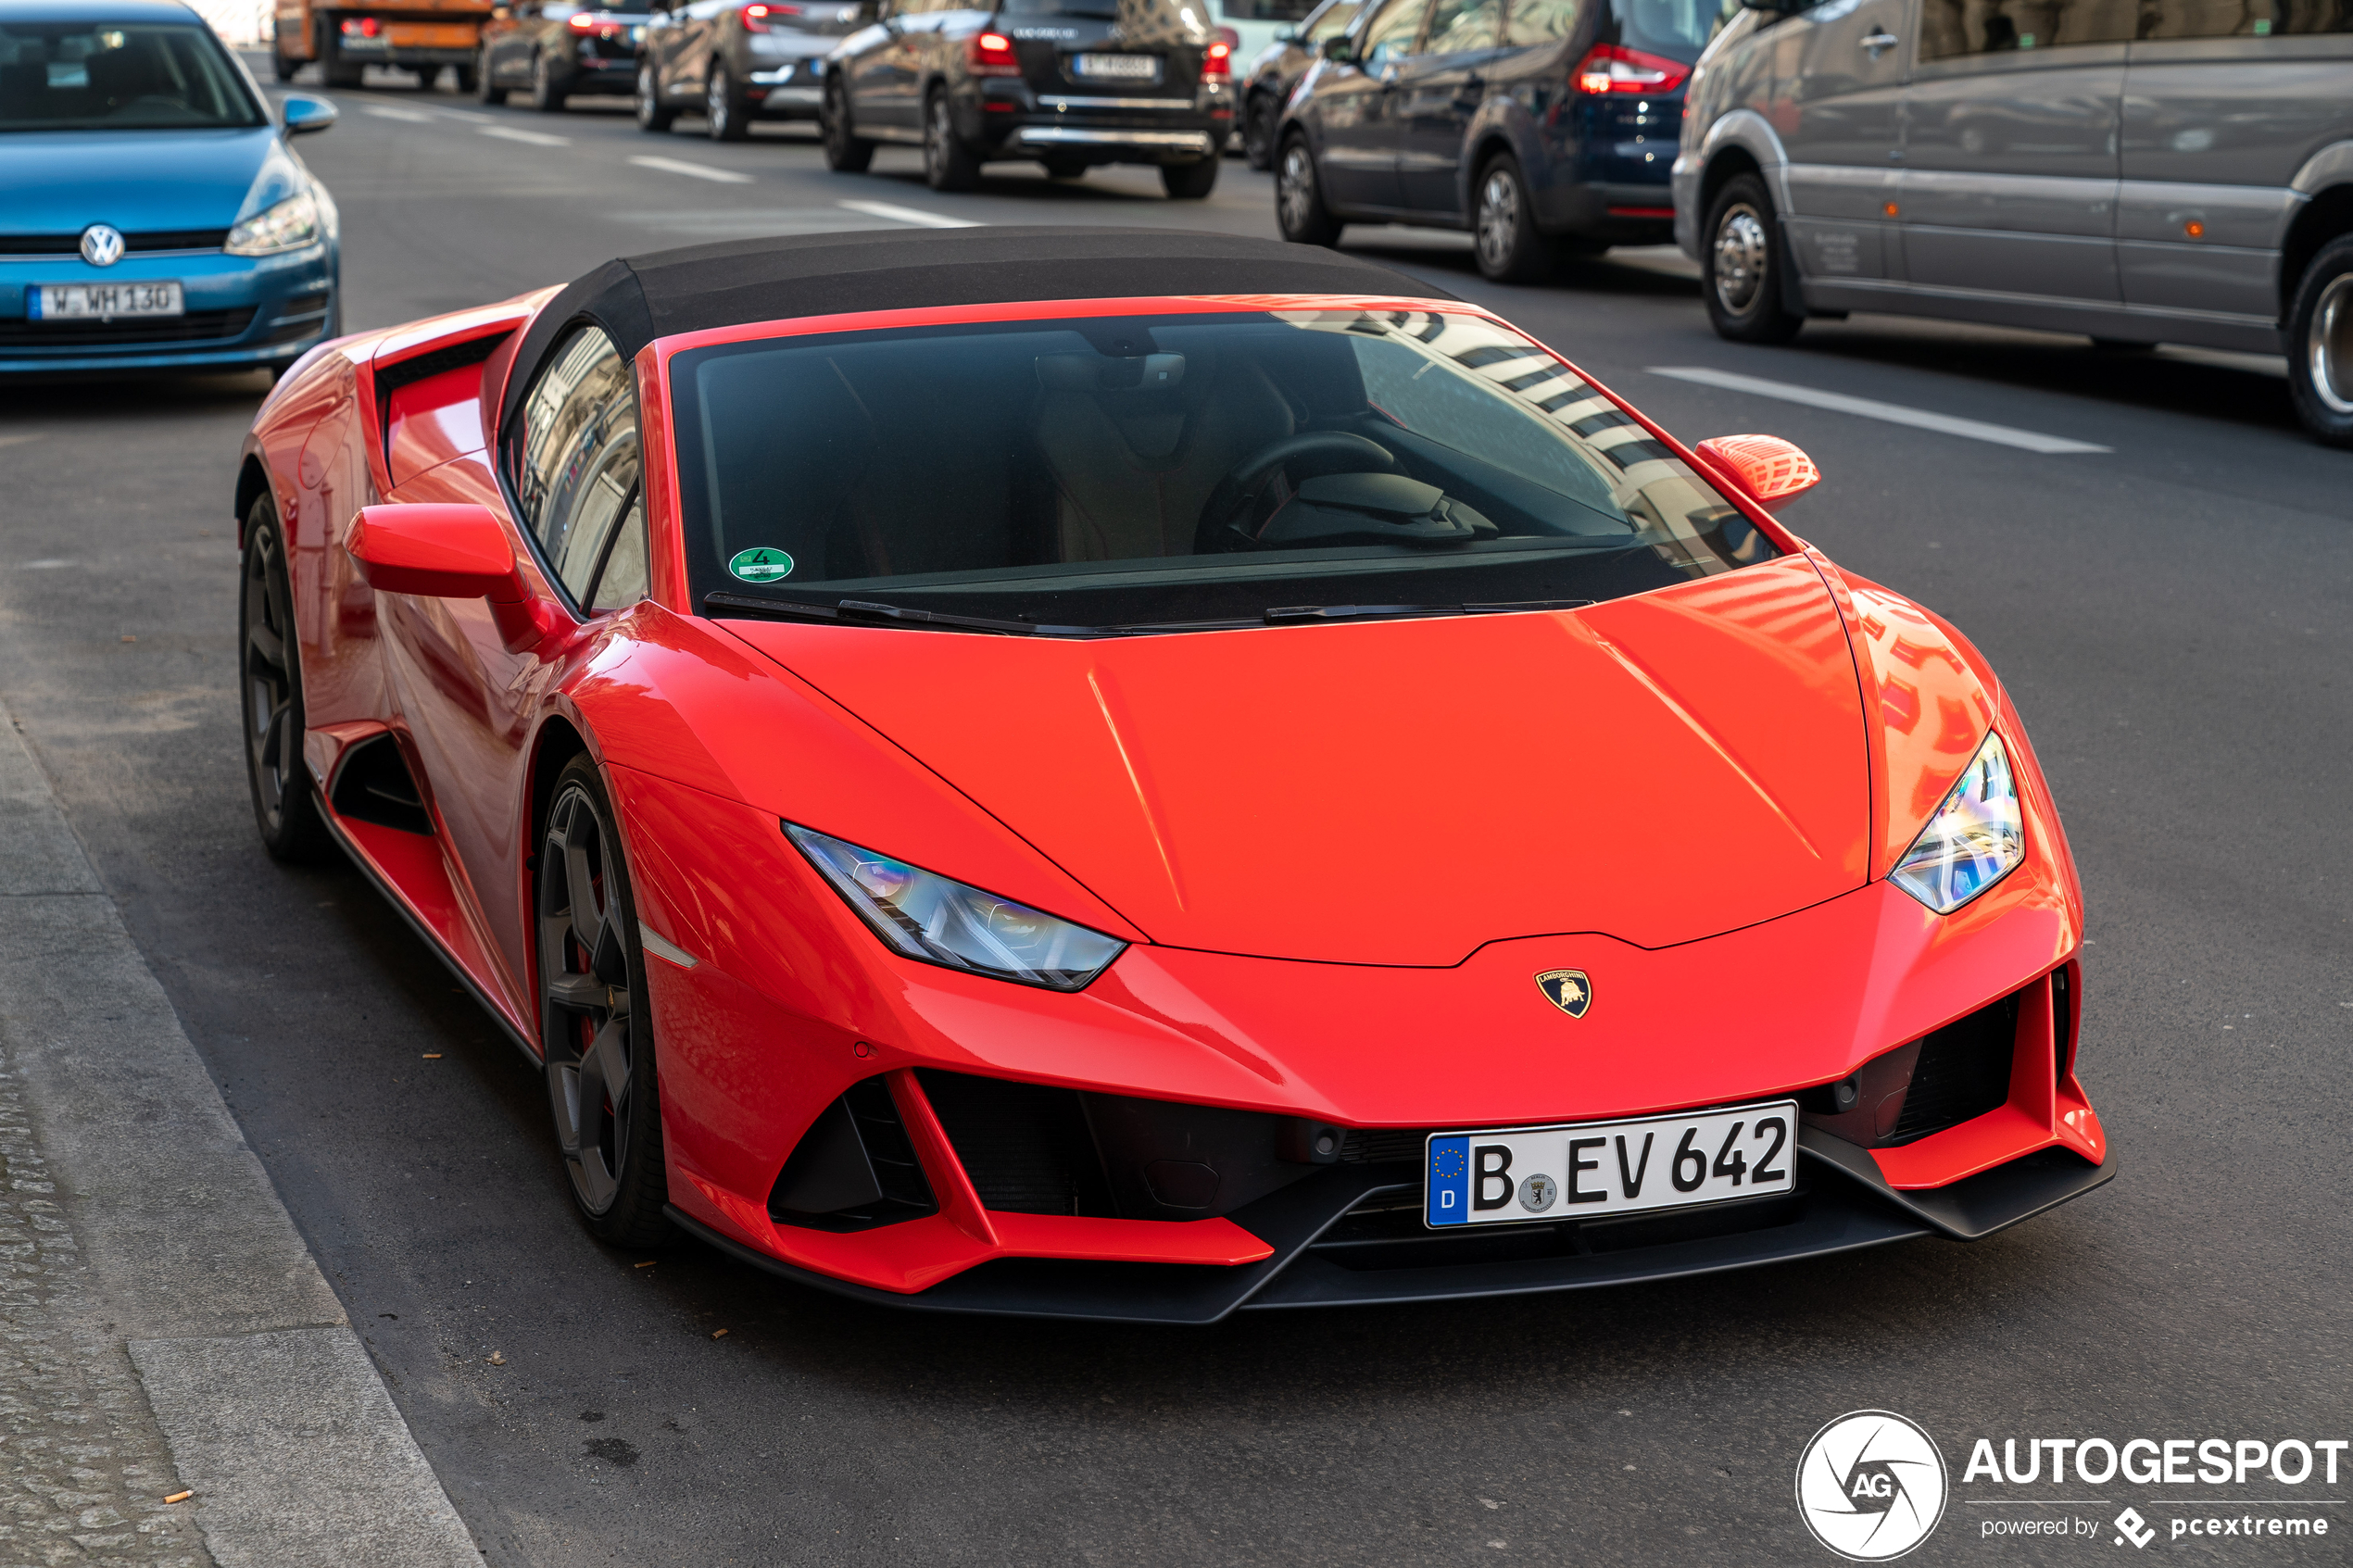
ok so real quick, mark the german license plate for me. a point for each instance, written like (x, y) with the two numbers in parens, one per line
(76, 302)
(1589, 1169)
(1119, 67)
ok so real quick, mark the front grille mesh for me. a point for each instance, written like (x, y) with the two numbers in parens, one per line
(1963, 1071)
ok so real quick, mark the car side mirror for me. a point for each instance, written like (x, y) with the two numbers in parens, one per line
(1770, 472)
(301, 114)
(1341, 50)
(435, 551)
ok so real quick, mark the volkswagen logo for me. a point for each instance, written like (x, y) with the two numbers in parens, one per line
(102, 244)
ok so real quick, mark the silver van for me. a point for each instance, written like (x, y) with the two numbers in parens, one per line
(2143, 171)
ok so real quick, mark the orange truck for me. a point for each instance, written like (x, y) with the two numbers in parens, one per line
(347, 36)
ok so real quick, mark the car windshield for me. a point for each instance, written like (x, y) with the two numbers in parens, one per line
(1157, 471)
(119, 76)
(1676, 28)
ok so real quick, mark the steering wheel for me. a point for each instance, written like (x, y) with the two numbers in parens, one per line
(1231, 500)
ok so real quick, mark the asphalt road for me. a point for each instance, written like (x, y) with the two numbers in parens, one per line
(2170, 613)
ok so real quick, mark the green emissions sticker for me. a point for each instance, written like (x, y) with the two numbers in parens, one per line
(761, 564)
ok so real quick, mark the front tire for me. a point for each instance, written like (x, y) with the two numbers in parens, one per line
(1258, 130)
(726, 112)
(1190, 182)
(1299, 197)
(285, 808)
(1741, 263)
(949, 165)
(652, 117)
(546, 96)
(846, 152)
(1509, 247)
(594, 1026)
(2320, 363)
(467, 81)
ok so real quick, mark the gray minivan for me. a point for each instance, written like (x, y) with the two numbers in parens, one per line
(2142, 172)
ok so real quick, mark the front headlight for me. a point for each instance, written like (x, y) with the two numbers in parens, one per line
(1976, 838)
(290, 225)
(935, 921)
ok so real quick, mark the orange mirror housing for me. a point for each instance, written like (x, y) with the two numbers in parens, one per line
(1773, 471)
(435, 551)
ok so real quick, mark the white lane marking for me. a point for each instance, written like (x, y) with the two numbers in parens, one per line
(49, 565)
(466, 114)
(21, 440)
(1892, 413)
(915, 215)
(661, 948)
(529, 138)
(695, 170)
(389, 111)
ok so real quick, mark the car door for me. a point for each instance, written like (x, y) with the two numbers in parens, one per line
(690, 48)
(465, 697)
(2222, 105)
(2010, 161)
(1354, 108)
(1439, 90)
(1838, 105)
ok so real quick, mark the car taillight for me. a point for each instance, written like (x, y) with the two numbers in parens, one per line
(1610, 68)
(366, 26)
(581, 22)
(1217, 62)
(758, 15)
(992, 54)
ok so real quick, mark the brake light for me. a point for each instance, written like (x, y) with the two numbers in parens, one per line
(1610, 68)
(759, 15)
(366, 26)
(992, 54)
(1217, 62)
(581, 21)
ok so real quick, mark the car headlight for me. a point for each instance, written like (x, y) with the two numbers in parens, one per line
(290, 225)
(1977, 837)
(935, 921)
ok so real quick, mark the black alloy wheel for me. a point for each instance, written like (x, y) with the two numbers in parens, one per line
(726, 112)
(593, 1025)
(1190, 182)
(846, 152)
(486, 86)
(270, 668)
(651, 117)
(2320, 345)
(1506, 240)
(546, 96)
(949, 165)
(1299, 197)
(1258, 130)
(1740, 263)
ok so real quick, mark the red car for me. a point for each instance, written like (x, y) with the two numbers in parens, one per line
(1132, 775)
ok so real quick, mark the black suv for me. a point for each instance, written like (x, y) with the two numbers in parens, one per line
(1071, 83)
(1542, 126)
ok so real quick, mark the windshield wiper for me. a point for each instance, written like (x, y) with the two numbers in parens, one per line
(854, 611)
(1291, 615)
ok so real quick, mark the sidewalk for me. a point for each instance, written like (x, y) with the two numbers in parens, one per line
(162, 1326)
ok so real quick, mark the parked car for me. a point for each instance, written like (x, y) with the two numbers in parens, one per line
(738, 62)
(1071, 83)
(1275, 69)
(2170, 172)
(152, 214)
(556, 51)
(1549, 128)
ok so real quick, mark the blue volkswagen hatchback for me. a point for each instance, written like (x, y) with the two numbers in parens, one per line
(151, 213)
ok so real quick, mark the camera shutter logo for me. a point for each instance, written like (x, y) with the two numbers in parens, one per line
(102, 244)
(1871, 1486)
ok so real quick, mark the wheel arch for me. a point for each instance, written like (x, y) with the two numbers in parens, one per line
(2327, 216)
(253, 482)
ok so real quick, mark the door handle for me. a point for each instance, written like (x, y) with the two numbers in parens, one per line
(1879, 43)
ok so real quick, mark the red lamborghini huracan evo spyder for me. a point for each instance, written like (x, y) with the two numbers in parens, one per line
(1131, 776)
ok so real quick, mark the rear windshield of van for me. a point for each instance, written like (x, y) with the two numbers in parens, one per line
(1676, 28)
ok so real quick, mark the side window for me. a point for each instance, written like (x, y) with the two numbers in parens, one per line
(1390, 36)
(1950, 28)
(2241, 18)
(1541, 22)
(1333, 22)
(1459, 27)
(575, 462)
(624, 579)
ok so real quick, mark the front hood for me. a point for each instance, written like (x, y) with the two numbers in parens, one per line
(1657, 769)
(60, 183)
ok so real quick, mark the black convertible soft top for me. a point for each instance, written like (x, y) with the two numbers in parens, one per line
(639, 299)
